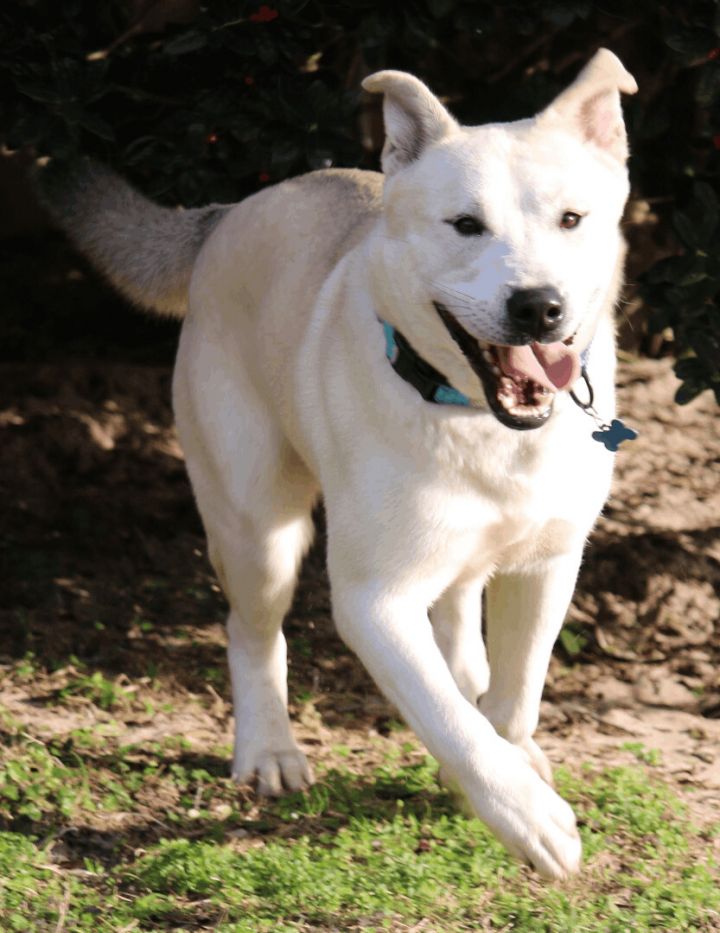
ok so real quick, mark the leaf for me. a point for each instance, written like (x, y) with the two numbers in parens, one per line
(688, 391)
(686, 229)
(440, 8)
(689, 368)
(671, 269)
(186, 42)
(97, 126)
(705, 204)
(707, 348)
(573, 641)
(43, 93)
(564, 14)
(31, 810)
(660, 318)
(284, 153)
(696, 295)
(692, 43)
(708, 86)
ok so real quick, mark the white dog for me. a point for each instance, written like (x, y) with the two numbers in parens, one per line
(405, 346)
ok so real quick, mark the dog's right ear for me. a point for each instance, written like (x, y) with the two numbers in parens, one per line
(414, 117)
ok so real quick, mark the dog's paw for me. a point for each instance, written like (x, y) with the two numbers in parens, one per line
(538, 826)
(533, 822)
(552, 843)
(274, 772)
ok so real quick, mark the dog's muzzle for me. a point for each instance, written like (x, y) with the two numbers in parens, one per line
(520, 380)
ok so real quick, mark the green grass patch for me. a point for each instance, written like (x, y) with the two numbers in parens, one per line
(365, 857)
(385, 852)
(36, 896)
(35, 784)
(105, 693)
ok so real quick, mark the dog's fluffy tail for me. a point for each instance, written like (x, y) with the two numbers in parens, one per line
(146, 251)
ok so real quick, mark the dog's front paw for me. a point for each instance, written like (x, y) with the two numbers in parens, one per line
(533, 822)
(538, 826)
(274, 772)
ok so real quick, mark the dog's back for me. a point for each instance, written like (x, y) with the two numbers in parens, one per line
(148, 251)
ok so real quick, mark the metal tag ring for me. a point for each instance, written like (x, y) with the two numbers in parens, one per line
(586, 406)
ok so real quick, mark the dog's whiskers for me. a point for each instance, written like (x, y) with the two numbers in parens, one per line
(456, 293)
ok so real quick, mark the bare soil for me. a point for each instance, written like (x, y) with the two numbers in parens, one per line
(103, 566)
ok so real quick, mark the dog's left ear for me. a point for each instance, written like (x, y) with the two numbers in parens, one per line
(414, 117)
(591, 105)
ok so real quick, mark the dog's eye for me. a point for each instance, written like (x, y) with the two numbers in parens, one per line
(569, 220)
(467, 225)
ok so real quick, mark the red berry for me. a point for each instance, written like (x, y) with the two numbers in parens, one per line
(212, 138)
(263, 177)
(248, 79)
(713, 54)
(265, 14)
(716, 140)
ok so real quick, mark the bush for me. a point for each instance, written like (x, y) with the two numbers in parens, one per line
(199, 102)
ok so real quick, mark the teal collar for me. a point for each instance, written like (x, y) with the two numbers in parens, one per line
(430, 383)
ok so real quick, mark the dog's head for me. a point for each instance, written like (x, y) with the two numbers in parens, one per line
(500, 244)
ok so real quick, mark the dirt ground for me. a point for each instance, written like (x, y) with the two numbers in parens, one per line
(103, 564)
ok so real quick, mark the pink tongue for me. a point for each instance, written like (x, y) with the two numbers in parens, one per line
(552, 365)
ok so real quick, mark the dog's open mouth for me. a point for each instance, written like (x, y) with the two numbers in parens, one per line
(520, 382)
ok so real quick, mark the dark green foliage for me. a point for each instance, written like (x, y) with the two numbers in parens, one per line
(242, 94)
(685, 290)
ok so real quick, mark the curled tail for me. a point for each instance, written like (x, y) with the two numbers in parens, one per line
(145, 250)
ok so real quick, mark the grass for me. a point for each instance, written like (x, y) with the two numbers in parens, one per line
(387, 851)
(100, 834)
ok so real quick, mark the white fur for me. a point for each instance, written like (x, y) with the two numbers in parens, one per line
(282, 391)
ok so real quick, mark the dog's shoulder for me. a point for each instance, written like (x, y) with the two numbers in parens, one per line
(350, 184)
(342, 202)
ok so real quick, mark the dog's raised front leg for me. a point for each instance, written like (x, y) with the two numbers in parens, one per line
(457, 626)
(389, 629)
(525, 612)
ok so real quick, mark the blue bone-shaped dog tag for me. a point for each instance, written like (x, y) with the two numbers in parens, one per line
(614, 434)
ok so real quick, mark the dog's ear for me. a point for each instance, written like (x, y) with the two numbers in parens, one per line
(414, 117)
(591, 105)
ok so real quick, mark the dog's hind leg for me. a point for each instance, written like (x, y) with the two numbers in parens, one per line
(255, 497)
(456, 621)
(525, 612)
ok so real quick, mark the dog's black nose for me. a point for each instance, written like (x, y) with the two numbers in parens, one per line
(536, 312)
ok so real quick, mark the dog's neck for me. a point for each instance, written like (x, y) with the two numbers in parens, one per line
(423, 377)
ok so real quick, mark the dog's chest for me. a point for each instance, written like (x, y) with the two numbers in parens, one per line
(484, 535)
(504, 518)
